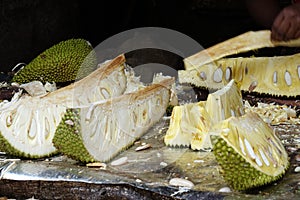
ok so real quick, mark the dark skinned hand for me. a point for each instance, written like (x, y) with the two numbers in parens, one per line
(286, 25)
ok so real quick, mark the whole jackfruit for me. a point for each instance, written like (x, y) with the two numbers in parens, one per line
(101, 130)
(249, 152)
(28, 124)
(66, 61)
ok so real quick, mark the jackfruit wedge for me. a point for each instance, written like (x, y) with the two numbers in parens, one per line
(248, 151)
(28, 124)
(101, 130)
(225, 103)
(190, 123)
(278, 75)
(66, 61)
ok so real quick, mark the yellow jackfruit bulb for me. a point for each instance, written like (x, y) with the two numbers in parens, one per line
(248, 151)
(189, 124)
(225, 103)
(66, 61)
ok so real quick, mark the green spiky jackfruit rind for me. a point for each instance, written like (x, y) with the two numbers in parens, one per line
(67, 139)
(237, 172)
(66, 61)
(6, 147)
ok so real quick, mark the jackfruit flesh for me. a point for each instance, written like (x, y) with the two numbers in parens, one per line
(249, 152)
(251, 40)
(190, 123)
(28, 123)
(278, 75)
(225, 102)
(108, 127)
(189, 126)
(66, 61)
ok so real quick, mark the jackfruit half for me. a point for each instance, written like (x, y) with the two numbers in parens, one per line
(248, 151)
(101, 130)
(28, 124)
(66, 61)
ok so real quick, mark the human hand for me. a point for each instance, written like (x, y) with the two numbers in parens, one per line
(286, 25)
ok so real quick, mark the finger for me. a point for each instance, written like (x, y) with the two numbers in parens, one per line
(290, 30)
(275, 34)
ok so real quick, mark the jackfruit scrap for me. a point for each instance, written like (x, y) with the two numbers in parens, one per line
(279, 76)
(66, 61)
(274, 114)
(108, 127)
(28, 123)
(249, 152)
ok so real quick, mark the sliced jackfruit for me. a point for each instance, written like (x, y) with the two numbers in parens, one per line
(100, 131)
(225, 103)
(249, 152)
(28, 124)
(278, 75)
(66, 61)
(190, 123)
(250, 40)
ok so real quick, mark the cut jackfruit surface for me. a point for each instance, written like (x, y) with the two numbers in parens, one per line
(250, 40)
(104, 129)
(66, 61)
(279, 76)
(249, 152)
(190, 123)
(225, 103)
(28, 124)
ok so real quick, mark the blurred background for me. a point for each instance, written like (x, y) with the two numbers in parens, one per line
(28, 27)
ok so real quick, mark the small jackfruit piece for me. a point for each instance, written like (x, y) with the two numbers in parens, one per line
(189, 124)
(28, 123)
(225, 102)
(248, 151)
(66, 61)
(108, 127)
(248, 41)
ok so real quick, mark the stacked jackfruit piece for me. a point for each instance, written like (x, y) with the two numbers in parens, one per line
(246, 148)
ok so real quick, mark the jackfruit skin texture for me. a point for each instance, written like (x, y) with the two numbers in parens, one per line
(66, 61)
(237, 172)
(67, 139)
(10, 150)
